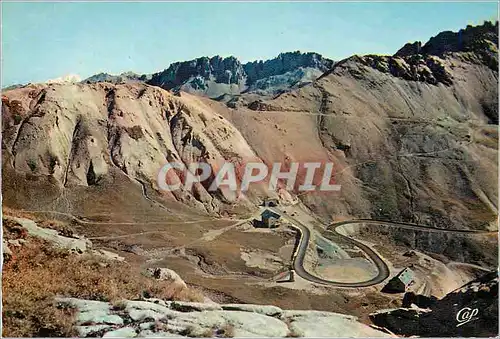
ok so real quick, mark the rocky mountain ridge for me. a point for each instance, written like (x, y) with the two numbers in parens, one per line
(114, 79)
(414, 62)
(230, 76)
(285, 62)
(216, 76)
(478, 39)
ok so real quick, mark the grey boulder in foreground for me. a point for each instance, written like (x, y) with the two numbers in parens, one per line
(158, 318)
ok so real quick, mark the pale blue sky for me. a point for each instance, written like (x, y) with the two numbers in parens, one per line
(47, 40)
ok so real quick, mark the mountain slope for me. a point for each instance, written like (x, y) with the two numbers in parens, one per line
(413, 136)
(75, 134)
(409, 140)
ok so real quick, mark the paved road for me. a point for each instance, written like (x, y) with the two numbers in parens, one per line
(300, 253)
(383, 269)
(406, 225)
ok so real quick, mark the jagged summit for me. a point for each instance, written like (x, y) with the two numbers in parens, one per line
(286, 62)
(123, 77)
(217, 69)
(217, 76)
(470, 39)
(477, 45)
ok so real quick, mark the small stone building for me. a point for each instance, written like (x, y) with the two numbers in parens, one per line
(270, 219)
(270, 202)
(400, 282)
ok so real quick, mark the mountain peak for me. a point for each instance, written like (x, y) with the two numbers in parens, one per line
(471, 39)
(215, 76)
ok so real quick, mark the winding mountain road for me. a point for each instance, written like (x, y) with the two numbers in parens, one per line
(382, 268)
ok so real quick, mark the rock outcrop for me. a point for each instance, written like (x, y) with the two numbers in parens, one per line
(78, 244)
(162, 273)
(73, 243)
(285, 62)
(115, 79)
(200, 74)
(470, 311)
(158, 318)
(217, 76)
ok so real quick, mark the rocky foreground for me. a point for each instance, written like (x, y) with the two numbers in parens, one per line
(152, 308)
(470, 311)
(153, 317)
(148, 315)
(158, 318)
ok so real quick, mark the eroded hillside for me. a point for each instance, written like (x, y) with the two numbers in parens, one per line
(73, 134)
(413, 136)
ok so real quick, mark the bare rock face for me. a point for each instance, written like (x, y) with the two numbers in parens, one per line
(221, 70)
(216, 77)
(166, 319)
(470, 311)
(285, 62)
(167, 274)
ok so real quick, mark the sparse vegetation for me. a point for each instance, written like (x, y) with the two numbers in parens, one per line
(17, 119)
(119, 305)
(190, 332)
(32, 165)
(37, 272)
(61, 227)
(226, 331)
(208, 333)
(293, 334)
(135, 132)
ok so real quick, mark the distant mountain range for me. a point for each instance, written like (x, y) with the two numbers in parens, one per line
(124, 77)
(217, 76)
(417, 102)
(227, 78)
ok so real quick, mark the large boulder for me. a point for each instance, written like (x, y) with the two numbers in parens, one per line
(79, 245)
(155, 318)
(162, 273)
(470, 311)
(325, 324)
